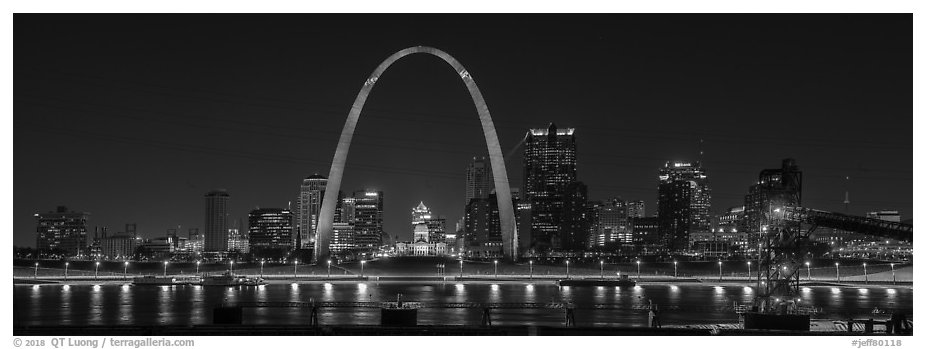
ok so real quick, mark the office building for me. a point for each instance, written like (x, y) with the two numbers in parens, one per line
(62, 233)
(342, 238)
(308, 207)
(636, 209)
(646, 238)
(368, 220)
(549, 169)
(270, 232)
(684, 204)
(216, 225)
(479, 180)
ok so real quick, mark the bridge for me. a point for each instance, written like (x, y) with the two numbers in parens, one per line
(862, 225)
(786, 240)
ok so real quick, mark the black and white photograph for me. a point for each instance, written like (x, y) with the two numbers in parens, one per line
(180, 176)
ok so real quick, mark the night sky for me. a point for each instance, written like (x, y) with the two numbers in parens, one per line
(134, 117)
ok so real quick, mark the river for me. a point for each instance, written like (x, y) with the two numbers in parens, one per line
(55, 304)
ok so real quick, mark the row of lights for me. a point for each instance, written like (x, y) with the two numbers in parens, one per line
(531, 263)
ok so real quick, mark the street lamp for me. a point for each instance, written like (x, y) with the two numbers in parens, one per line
(261, 269)
(296, 265)
(329, 268)
(601, 271)
(125, 270)
(461, 267)
(197, 266)
(837, 271)
(638, 269)
(361, 267)
(749, 270)
(66, 271)
(36, 275)
(165, 268)
(96, 271)
(676, 268)
(531, 263)
(496, 268)
(231, 267)
(893, 276)
(865, 269)
(808, 270)
(720, 269)
(567, 268)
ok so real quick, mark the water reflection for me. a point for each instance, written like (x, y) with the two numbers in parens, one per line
(125, 304)
(66, 305)
(494, 294)
(191, 305)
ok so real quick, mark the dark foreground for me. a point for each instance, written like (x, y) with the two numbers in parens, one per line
(274, 330)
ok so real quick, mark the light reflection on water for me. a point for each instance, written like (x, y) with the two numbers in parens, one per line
(191, 305)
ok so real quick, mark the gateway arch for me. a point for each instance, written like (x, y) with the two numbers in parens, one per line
(499, 174)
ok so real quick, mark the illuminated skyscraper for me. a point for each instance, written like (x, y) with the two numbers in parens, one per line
(684, 204)
(549, 168)
(308, 206)
(368, 219)
(62, 232)
(216, 225)
(479, 181)
(270, 232)
(436, 225)
(636, 209)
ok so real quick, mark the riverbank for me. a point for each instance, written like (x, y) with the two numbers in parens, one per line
(511, 279)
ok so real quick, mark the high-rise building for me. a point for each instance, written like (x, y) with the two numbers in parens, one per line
(421, 214)
(270, 232)
(216, 224)
(196, 242)
(636, 209)
(574, 224)
(237, 239)
(368, 220)
(614, 229)
(479, 180)
(481, 229)
(646, 239)
(308, 207)
(684, 204)
(342, 237)
(62, 232)
(775, 189)
(549, 168)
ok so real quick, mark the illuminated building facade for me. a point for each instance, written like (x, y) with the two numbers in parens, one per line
(574, 222)
(195, 241)
(479, 182)
(270, 232)
(421, 214)
(216, 224)
(636, 209)
(613, 228)
(368, 220)
(237, 239)
(308, 206)
(646, 238)
(342, 238)
(62, 232)
(684, 204)
(549, 169)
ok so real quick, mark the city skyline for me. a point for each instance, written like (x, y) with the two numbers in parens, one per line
(419, 134)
